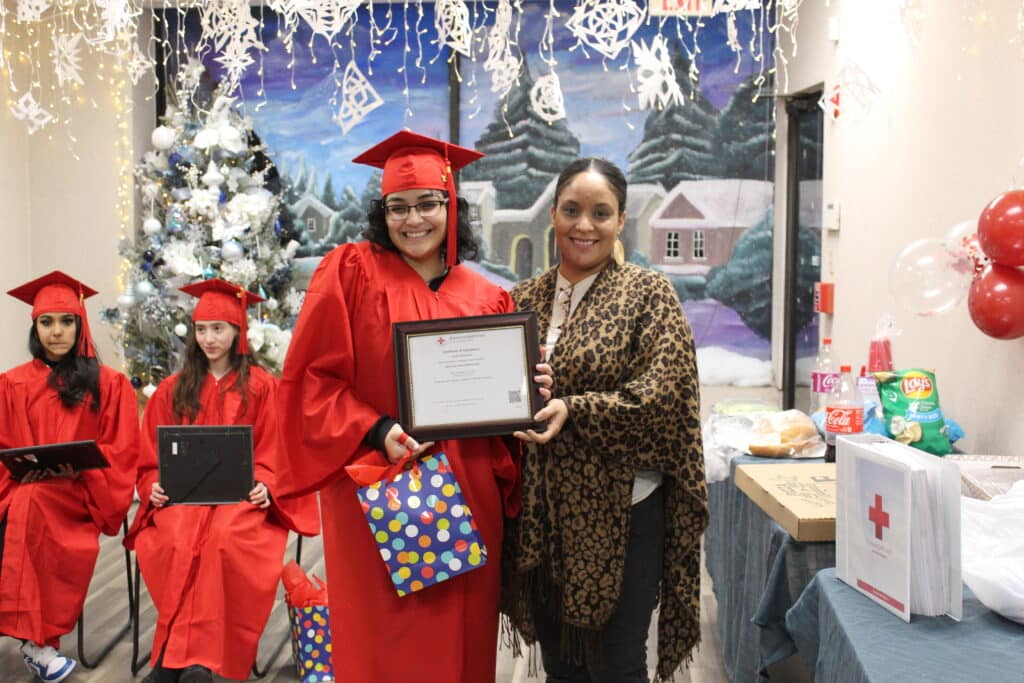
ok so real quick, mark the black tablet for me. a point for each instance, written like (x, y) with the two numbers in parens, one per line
(205, 464)
(80, 455)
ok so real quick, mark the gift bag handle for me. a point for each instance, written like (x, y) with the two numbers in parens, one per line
(364, 475)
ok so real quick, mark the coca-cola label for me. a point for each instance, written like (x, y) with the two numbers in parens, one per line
(823, 382)
(916, 385)
(844, 419)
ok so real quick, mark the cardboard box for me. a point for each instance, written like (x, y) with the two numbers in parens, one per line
(801, 497)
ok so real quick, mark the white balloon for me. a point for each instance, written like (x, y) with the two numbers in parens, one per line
(149, 390)
(151, 226)
(163, 137)
(126, 300)
(927, 279)
(180, 329)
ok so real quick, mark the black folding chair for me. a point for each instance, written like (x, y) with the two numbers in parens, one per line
(93, 663)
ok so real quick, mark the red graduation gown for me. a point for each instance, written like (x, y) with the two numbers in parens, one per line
(213, 570)
(51, 542)
(338, 379)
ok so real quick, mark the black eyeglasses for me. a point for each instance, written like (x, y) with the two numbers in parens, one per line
(428, 208)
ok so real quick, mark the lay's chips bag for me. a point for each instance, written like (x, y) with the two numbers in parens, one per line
(910, 407)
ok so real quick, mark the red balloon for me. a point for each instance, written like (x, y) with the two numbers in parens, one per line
(1001, 229)
(996, 301)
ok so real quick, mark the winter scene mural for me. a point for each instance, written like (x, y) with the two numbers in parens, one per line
(687, 116)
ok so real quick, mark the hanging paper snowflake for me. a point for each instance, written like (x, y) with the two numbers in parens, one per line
(501, 63)
(451, 19)
(546, 98)
(235, 59)
(358, 98)
(228, 21)
(655, 75)
(31, 11)
(606, 25)
(66, 58)
(138, 65)
(327, 17)
(28, 110)
(116, 16)
(859, 93)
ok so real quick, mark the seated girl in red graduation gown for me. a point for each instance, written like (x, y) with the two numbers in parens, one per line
(338, 402)
(213, 570)
(50, 522)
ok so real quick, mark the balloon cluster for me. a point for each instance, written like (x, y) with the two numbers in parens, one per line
(978, 260)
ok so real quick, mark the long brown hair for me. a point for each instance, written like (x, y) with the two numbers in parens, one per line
(194, 369)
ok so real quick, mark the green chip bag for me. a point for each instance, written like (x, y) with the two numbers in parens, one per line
(910, 408)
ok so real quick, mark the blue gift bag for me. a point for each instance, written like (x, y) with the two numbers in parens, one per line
(311, 643)
(422, 525)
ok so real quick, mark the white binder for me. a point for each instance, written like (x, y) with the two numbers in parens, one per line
(898, 526)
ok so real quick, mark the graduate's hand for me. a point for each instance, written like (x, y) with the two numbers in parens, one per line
(49, 473)
(260, 496)
(157, 498)
(555, 413)
(34, 476)
(397, 443)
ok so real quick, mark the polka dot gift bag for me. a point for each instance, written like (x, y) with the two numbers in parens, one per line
(421, 523)
(310, 628)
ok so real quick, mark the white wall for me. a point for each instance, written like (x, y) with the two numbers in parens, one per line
(943, 139)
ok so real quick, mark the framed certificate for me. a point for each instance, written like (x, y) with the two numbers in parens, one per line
(80, 455)
(466, 377)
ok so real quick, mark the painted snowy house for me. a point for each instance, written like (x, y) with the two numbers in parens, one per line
(523, 239)
(699, 222)
(312, 215)
(642, 201)
(480, 196)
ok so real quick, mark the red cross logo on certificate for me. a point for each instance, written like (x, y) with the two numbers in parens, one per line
(878, 517)
(441, 340)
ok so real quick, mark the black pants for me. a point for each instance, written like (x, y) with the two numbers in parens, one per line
(623, 655)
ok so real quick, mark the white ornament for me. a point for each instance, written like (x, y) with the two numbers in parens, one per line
(149, 390)
(151, 226)
(31, 11)
(126, 301)
(65, 55)
(163, 137)
(546, 98)
(28, 110)
(327, 17)
(656, 75)
(144, 289)
(213, 177)
(181, 330)
(358, 98)
(606, 25)
(451, 20)
(231, 251)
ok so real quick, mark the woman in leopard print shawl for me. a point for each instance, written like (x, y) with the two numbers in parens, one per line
(625, 372)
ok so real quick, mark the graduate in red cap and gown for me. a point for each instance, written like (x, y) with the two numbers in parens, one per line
(213, 570)
(50, 522)
(339, 406)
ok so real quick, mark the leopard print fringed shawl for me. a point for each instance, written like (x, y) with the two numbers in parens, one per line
(626, 367)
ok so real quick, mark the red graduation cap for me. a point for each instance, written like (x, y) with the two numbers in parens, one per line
(58, 292)
(413, 161)
(222, 300)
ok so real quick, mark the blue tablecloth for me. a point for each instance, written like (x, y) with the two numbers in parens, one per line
(859, 641)
(758, 572)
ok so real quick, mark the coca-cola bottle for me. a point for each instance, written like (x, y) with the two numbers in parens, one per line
(844, 412)
(823, 377)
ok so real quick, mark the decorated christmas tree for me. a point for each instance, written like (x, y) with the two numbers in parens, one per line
(211, 208)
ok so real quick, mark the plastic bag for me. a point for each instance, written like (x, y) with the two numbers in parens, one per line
(993, 551)
(785, 434)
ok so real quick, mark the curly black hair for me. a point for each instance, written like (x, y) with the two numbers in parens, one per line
(75, 378)
(467, 245)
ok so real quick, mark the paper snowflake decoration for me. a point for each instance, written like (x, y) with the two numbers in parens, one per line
(138, 65)
(66, 60)
(656, 77)
(326, 17)
(606, 25)
(501, 63)
(235, 59)
(228, 21)
(31, 11)
(546, 98)
(358, 98)
(28, 110)
(115, 16)
(858, 91)
(451, 19)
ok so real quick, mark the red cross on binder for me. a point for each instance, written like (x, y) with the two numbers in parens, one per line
(878, 516)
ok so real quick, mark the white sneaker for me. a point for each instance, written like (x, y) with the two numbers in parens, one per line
(46, 663)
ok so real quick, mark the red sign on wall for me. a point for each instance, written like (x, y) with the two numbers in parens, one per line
(682, 8)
